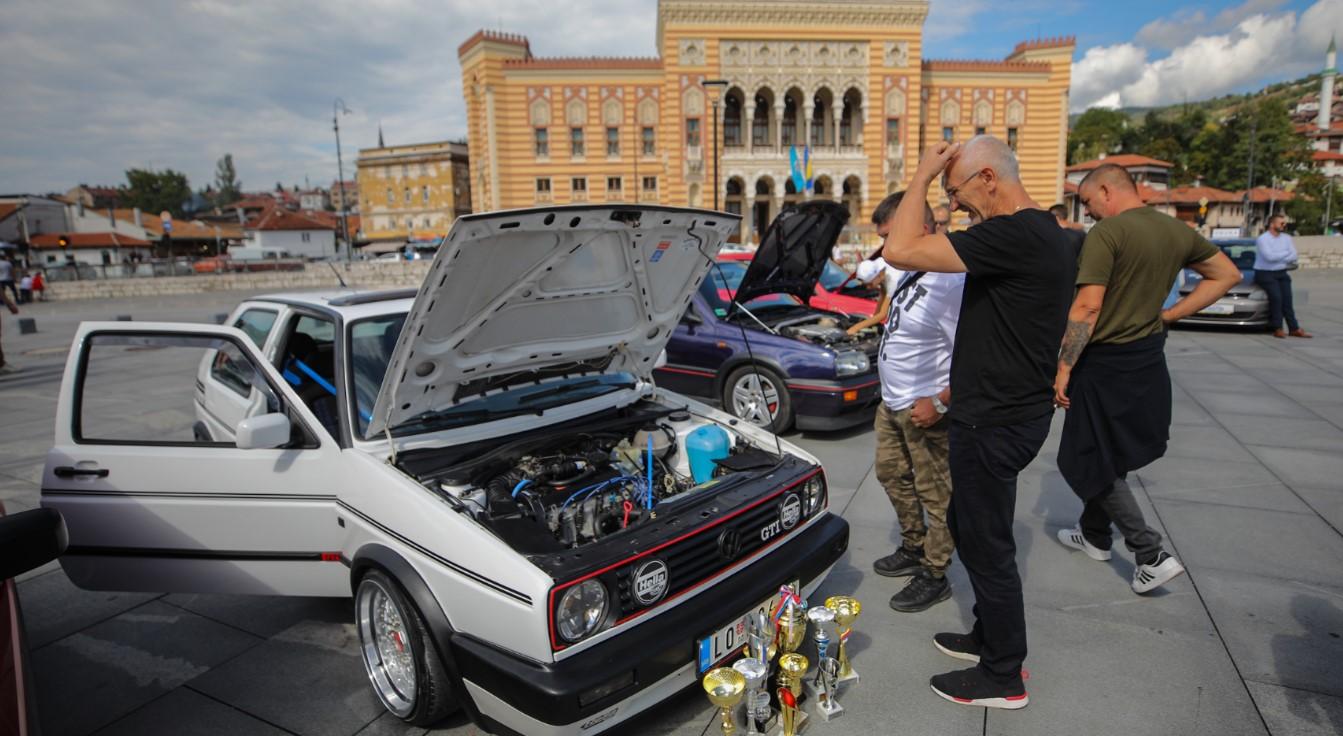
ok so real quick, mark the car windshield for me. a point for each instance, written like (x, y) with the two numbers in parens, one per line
(371, 344)
(833, 276)
(1240, 253)
(722, 283)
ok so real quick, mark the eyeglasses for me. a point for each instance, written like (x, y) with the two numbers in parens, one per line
(953, 191)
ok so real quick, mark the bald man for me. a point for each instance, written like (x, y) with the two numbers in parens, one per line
(1019, 271)
(1112, 375)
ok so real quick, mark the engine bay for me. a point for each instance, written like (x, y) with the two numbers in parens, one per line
(571, 489)
(831, 330)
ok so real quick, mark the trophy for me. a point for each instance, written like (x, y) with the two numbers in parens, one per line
(725, 687)
(822, 689)
(757, 709)
(760, 638)
(846, 610)
(792, 666)
(790, 621)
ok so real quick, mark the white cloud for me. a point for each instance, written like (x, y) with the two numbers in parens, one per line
(94, 87)
(1173, 32)
(1256, 47)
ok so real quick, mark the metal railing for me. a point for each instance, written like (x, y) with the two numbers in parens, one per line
(164, 267)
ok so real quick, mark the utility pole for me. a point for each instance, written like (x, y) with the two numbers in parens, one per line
(1254, 139)
(337, 108)
(719, 83)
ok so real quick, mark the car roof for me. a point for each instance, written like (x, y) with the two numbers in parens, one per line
(351, 304)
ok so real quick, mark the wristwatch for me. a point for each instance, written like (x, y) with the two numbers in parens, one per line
(938, 405)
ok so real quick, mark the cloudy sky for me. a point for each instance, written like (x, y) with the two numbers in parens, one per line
(93, 87)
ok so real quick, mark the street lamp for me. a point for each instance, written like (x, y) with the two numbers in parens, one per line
(720, 83)
(337, 108)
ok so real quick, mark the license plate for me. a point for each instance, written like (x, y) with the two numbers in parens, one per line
(729, 640)
(1220, 310)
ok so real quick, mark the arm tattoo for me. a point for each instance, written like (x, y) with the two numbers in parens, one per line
(1074, 342)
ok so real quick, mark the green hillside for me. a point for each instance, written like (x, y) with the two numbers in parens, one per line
(1218, 108)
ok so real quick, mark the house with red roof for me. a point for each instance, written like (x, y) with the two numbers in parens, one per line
(281, 233)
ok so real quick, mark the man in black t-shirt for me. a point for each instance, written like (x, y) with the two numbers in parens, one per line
(1019, 268)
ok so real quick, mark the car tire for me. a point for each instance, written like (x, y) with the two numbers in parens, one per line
(747, 380)
(403, 665)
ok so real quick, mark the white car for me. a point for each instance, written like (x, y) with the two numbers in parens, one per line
(530, 529)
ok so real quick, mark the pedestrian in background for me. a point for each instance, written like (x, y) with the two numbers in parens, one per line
(914, 364)
(1274, 255)
(941, 218)
(25, 289)
(7, 276)
(39, 285)
(1112, 376)
(13, 309)
(1019, 271)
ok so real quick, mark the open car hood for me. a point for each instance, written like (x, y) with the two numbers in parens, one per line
(794, 250)
(523, 295)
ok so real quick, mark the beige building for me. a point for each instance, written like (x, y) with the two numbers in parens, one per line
(412, 192)
(845, 78)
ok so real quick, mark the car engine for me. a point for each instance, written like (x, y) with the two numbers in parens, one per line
(826, 331)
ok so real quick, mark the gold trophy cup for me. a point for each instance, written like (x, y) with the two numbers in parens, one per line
(792, 666)
(791, 629)
(846, 610)
(725, 687)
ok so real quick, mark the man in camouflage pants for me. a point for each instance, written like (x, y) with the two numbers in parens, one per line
(912, 455)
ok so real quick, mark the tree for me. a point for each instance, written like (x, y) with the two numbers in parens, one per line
(1311, 201)
(156, 191)
(1261, 130)
(1098, 130)
(226, 180)
(1171, 140)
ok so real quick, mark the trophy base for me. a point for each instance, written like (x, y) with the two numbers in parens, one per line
(764, 727)
(814, 693)
(827, 714)
(799, 724)
(851, 678)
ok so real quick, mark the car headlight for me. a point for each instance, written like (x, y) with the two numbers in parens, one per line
(813, 493)
(1258, 295)
(581, 610)
(851, 363)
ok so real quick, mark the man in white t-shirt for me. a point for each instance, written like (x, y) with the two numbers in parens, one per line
(912, 455)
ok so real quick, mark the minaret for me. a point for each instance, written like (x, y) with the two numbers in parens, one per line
(1327, 87)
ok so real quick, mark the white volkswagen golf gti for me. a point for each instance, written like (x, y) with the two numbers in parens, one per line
(529, 528)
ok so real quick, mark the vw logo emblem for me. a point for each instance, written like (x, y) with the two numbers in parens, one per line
(650, 582)
(790, 511)
(729, 544)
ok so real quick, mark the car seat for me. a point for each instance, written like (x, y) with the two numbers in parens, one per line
(301, 369)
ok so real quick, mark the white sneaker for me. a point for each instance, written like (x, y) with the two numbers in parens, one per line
(1147, 578)
(1073, 538)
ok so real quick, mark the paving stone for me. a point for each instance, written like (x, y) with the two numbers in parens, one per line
(54, 608)
(1271, 544)
(1271, 405)
(1297, 712)
(185, 712)
(1267, 496)
(1301, 466)
(264, 616)
(1305, 432)
(120, 664)
(1327, 502)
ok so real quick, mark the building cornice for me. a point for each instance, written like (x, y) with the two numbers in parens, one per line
(791, 14)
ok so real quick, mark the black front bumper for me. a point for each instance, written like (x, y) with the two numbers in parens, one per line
(824, 409)
(549, 691)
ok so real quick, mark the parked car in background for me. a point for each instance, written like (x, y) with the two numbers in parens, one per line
(530, 529)
(1245, 305)
(750, 340)
(28, 540)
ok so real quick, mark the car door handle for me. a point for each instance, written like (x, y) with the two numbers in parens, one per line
(65, 471)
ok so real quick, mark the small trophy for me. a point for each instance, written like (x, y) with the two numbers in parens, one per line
(725, 687)
(846, 610)
(760, 638)
(822, 689)
(790, 621)
(792, 667)
(757, 709)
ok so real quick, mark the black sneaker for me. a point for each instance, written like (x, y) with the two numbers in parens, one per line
(922, 593)
(904, 562)
(960, 646)
(973, 687)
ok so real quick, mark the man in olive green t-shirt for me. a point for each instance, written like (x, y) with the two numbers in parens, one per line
(1112, 376)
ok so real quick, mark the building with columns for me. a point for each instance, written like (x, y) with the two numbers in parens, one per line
(846, 79)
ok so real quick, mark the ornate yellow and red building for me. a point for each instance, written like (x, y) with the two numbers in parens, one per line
(846, 78)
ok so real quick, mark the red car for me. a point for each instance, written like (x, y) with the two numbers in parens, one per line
(836, 291)
(27, 540)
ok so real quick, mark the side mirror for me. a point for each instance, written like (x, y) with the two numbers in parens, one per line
(267, 431)
(30, 539)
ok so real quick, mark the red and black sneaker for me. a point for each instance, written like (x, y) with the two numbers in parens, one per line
(973, 687)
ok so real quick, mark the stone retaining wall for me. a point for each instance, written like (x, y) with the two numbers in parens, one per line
(378, 275)
(1320, 251)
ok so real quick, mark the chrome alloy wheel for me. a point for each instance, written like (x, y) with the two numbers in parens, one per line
(388, 654)
(755, 398)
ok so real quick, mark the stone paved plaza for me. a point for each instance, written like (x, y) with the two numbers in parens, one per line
(1250, 497)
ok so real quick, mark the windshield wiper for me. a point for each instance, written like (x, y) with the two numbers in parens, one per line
(567, 387)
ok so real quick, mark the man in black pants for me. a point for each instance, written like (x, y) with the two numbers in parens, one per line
(1019, 269)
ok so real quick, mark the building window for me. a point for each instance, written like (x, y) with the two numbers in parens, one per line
(614, 185)
(542, 142)
(650, 183)
(576, 141)
(307, 237)
(406, 194)
(948, 133)
(979, 130)
(613, 141)
(391, 198)
(426, 223)
(1012, 138)
(405, 171)
(892, 132)
(579, 184)
(650, 146)
(424, 195)
(692, 132)
(543, 185)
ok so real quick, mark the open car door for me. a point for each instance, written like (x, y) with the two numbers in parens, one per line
(152, 506)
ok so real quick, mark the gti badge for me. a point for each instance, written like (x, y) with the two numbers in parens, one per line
(790, 511)
(729, 544)
(650, 582)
